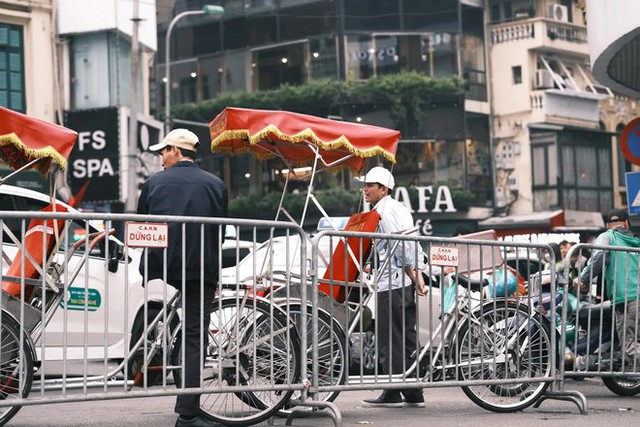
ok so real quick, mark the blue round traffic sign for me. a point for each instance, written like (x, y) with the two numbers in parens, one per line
(630, 141)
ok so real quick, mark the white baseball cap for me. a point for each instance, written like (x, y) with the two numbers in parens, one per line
(181, 138)
(379, 175)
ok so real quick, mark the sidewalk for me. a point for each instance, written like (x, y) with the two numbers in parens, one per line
(445, 407)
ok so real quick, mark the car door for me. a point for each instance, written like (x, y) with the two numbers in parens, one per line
(92, 311)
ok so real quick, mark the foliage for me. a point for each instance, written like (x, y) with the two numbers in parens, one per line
(405, 94)
(336, 201)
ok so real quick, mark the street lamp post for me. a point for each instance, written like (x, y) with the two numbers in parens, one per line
(206, 10)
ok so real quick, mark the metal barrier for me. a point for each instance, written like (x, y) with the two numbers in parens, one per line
(78, 324)
(296, 322)
(476, 331)
(597, 321)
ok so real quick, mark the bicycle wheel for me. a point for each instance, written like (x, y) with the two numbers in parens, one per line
(16, 367)
(333, 357)
(504, 341)
(136, 362)
(251, 343)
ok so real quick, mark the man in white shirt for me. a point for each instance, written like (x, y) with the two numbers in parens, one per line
(397, 280)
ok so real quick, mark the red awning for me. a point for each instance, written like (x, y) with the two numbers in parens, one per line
(293, 137)
(535, 222)
(24, 138)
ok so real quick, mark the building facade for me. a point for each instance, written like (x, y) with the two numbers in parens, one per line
(69, 62)
(554, 127)
(260, 45)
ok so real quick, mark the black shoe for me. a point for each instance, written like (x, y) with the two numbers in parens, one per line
(386, 400)
(196, 421)
(414, 400)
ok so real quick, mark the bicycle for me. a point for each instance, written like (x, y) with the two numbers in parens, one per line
(492, 342)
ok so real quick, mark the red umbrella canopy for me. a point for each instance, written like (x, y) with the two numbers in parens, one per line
(267, 134)
(24, 138)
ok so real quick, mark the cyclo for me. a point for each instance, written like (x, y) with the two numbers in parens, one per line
(497, 347)
(247, 337)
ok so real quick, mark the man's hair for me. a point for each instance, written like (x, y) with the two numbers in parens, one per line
(187, 153)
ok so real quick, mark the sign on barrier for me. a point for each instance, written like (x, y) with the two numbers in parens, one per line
(147, 235)
(443, 256)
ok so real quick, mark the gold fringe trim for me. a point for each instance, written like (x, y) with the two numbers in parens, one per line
(45, 153)
(306, 135)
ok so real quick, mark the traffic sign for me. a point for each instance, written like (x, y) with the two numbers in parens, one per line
(630, 141)
(633, 192)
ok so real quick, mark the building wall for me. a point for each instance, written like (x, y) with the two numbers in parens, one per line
(39, 72)
(544, 47)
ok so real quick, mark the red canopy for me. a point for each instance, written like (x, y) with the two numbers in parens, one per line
(267, 134)
(24, 138)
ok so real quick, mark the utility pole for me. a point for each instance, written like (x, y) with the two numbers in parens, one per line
(132, 182)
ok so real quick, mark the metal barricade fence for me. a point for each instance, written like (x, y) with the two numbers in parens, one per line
(479, 327)
(78, 324)
(293, 323)
(600, 337)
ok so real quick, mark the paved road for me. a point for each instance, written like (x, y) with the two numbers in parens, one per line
(446, 407)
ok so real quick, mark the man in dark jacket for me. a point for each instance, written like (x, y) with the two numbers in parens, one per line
(183, 189)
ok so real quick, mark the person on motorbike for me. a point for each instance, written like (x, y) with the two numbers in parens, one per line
(621, 272)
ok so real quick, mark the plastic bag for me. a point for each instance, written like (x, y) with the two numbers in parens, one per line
(503, 283)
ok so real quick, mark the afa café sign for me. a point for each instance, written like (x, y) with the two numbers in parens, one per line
(100, 155)
(443, 202)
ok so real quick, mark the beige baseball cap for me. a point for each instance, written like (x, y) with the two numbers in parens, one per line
(181, 138)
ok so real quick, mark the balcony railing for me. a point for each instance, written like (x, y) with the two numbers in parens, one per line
(547, 31)
(565, 104)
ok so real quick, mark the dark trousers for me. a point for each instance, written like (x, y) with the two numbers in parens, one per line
(396, 340)
(196, 324)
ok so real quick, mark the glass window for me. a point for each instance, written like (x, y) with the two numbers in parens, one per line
(604, 167)
(386, 55)
(539, 171)
(300, 21)
(585, 171)
(277, 65)
(323, 59)
(545, 199)
(214, 74)
(516, 73)
(588, 200)
(568, 165)
(237, 67)
(431, 15)
(587, 168)
(430, 163)
(367, 15)
(12, 93)
(360, 57)
(443, 50)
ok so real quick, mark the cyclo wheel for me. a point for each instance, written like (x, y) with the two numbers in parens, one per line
(622, 386)
(16, 366)
(504, 340)
(251, 343)
(333, 356)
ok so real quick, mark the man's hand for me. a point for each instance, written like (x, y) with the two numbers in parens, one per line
(418, 280)
(584, 287)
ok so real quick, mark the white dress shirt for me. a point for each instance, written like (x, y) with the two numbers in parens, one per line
(394, 218)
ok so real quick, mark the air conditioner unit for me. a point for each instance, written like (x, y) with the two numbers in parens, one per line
(558, 12)
(543, 79)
